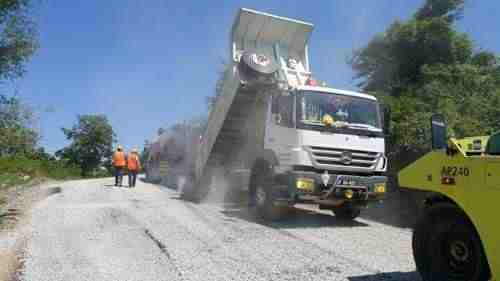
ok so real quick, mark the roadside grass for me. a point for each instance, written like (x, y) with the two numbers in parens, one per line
(8, 179)
(20, 166)
(15, 170)
(20, 171)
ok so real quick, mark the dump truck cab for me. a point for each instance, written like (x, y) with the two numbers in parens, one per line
(457, 237)
(333, 165)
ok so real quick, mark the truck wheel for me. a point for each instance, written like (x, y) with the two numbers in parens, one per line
(447, 247)
(346, 212)
(263, 197)
(253, 65)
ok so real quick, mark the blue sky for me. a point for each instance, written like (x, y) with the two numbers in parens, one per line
(148, 64)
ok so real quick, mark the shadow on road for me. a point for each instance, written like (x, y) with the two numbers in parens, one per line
(158, 183)
(296, 218)
(389, 276)
(400, 209)
(144, 180)
(112, 186)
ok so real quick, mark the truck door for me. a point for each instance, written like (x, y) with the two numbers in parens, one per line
(493, 173)
(483, 201)
(281, 134)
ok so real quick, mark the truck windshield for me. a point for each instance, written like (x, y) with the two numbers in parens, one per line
(346, 111)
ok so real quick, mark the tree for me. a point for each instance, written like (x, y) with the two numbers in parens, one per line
(18, 42)
(393, 61)
(448, 9)
(91, 145)
(18, 37)
(423, 66)
(16, 127)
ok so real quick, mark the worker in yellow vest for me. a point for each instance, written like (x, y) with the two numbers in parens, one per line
(133, 166)
(119, 163)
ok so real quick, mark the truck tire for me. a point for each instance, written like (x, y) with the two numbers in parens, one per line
(446, 246)
(253, 65)
(346, 212)
(262, 195)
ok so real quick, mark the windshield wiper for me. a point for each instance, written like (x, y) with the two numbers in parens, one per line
(309, 122)
(336, 124)
(372, 130)
(362, 126)
(341, 124)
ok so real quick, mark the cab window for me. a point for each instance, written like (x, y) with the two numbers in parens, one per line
(282, 110)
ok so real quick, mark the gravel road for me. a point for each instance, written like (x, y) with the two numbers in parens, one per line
(94, 231)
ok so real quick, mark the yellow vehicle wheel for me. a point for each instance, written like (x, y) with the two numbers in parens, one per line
(447, 247)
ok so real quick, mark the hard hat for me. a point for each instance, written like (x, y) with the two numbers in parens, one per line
(327, 120)
(119, 147)
(135, 150)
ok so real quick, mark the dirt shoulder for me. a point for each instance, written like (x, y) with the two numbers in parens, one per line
(16, 201)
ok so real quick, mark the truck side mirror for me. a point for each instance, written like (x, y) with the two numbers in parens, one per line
(386, 111)
(438, 132)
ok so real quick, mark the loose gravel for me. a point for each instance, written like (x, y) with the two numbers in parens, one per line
(94, 231)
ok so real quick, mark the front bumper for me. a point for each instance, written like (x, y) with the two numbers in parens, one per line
(335, 189)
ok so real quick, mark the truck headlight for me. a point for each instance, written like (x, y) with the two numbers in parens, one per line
(305, 184)
(379, 187)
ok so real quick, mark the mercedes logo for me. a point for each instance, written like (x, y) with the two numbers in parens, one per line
(325, 177)
(346, 158)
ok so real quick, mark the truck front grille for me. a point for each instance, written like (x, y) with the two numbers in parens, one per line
(333, 157)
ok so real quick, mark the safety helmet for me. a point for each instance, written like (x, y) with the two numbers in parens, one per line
(135, 150)
(327, 120)
(119, 147)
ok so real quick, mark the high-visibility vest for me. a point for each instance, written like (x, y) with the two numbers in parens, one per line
(119, 159)
(133, 162)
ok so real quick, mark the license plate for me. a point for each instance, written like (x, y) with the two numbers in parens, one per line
(345, 181)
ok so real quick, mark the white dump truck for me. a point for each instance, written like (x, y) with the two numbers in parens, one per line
(283, 138)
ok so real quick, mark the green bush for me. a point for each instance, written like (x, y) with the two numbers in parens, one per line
(22, 166)
(60, 170)
(101, 173)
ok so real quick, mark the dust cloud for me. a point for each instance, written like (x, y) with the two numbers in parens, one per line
(219, 187)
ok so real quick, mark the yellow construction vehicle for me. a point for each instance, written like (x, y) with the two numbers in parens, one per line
(473, 145)
(457, 236)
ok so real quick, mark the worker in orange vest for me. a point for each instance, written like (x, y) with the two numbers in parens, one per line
(119, 163)
(133, 166)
